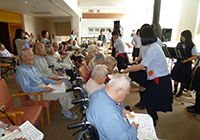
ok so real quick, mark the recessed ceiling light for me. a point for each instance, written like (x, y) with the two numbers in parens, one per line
(26, 2)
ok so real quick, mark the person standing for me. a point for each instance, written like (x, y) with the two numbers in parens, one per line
(140, 76)
(158, 94)
(21, 39)
(133, 33)
(196, 86)
(121, 55)
(109, 35)
(181, 72)
(136, 42)
(73, 35)
(45, 38)
(102, 38)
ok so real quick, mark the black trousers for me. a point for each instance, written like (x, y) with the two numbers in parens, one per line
(135, 53)
(197, 104)
(153, 114)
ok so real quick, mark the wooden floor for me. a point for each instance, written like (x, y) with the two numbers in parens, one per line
(176, 125)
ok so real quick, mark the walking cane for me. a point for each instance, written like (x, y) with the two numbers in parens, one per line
(3, 111)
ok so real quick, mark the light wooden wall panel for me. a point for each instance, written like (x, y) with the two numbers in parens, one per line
(10, 17)
(103, 16)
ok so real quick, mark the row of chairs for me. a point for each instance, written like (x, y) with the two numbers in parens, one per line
(29, 107)
(31, 110)
(20, 114)
(4, 68)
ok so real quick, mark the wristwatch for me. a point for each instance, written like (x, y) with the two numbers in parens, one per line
(7, 127)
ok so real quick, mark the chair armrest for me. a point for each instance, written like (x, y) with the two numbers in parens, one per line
(20, 113)
(41, 97)
(35, 94)
(10, 114)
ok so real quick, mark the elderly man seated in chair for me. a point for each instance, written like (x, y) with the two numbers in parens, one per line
(30, 80)
(52, 61)
(60, 58)
(97, 79)
(107, 116)
(41, 65)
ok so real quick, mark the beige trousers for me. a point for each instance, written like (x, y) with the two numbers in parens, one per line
(64, 98)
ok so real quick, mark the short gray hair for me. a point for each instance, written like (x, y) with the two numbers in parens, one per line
(90, 42)
(23, 52)
(100, 70)
(110, 60)
(100, 56)
(48, 48)
(120, 81)
(91, 48)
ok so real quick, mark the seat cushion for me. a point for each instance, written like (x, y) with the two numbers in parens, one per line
(29, 102)
(31, 113)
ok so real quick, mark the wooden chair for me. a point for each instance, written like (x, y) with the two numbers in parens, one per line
(26, 101)
(32, 113)
(4, 66)
(11, 115)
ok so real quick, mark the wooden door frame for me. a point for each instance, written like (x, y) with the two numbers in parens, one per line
(9, 25)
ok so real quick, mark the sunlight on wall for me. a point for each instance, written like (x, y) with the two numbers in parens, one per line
(169, 15)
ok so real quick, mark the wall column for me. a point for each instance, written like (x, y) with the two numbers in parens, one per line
(188, 17)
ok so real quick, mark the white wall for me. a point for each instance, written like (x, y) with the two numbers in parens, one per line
(188, 17)
(73, 4)
(127, 24)
(36, 25)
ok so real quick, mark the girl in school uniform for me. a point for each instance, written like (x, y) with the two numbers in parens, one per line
(196, 86)
(140, 76)
(181, 72)
(136, 42)
(158, 94)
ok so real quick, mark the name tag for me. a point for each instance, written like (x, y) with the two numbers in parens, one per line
(150, 73)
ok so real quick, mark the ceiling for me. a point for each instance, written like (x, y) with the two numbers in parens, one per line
(53, 10)
(59, 11)
(113, 6)
(104, 6)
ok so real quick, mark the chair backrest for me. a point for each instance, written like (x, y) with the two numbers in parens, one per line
(5, 96)
(23, 98)
(83, 72)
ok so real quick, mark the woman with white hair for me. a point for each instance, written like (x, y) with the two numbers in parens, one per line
(110, 62)
(97, 79)
(98, 59)
(90, 53)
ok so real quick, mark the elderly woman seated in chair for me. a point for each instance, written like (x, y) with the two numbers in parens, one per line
(7, 57)
(96, 82)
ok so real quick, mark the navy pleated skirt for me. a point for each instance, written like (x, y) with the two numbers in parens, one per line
(139, 77)
(159, 96)
(181, 72)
